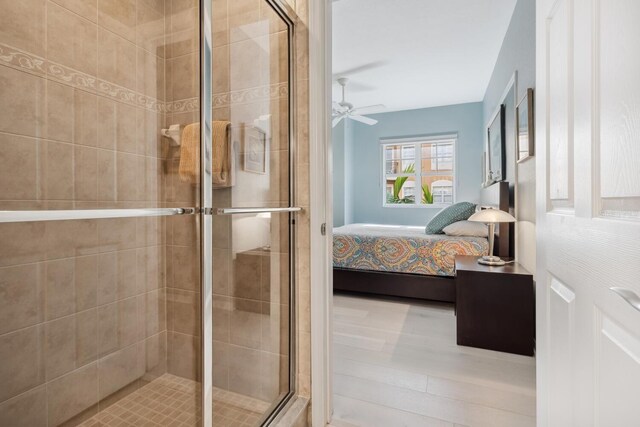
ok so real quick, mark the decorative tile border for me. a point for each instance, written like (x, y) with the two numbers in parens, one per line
(36, 65)
(22, 61)
(33, 64)
(182, 106)
(274, 91)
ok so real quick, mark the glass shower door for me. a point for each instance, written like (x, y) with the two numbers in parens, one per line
(254, 212)
(100, 244)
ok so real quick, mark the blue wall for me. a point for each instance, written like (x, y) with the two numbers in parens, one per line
(338, 174)
(518, 53)
(363, 176)
(342, 137)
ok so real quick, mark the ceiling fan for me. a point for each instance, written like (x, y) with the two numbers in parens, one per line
(344, 109)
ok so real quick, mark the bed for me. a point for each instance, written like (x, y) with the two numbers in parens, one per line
(404, 261)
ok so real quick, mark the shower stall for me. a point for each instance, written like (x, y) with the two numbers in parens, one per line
(147, 213)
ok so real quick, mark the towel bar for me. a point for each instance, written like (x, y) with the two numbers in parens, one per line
(237, 211)
(61, 215)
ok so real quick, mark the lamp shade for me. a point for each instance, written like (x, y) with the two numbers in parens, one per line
(492, 215)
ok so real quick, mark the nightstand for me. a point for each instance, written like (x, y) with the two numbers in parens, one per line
(495, 306)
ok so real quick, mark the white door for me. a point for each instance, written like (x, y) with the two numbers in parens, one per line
(588, 212)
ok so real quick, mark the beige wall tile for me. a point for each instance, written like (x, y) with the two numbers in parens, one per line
(25, 93)
(184, 311)
(220, 22)
(248, 63)
(106, 175)
(150, 26)
(26, 410)
(57, 171)
(18, 167)
(107, 329)
(86, 282)
(222, 307)
(60, 348)
(21, 243)
(85, 118)
(71, 40)
(21, 296)
(279, 56)
(126, 128)
(149, 268)
(247, 275)
(86, 337)
(185, 272)
(221, 83)
(222, 271)
(241, 14)
(150, 75)
(246, 323)
(154, 313)
(269, 379)
(244, 371)
(184, 355)
(148, 132)
(60, 109)
(107, 278)
(22, 25)
(116, 59)
(183, 28)
(88, 9)
(156, 355)
(220, 364)
(60, 288)
(117, 234)
(185, 79)
(149, 232)
(127, 177)
(71, 238)
(275, 328)
(22, 355)
(128, 322)
(85, 161)
(127, 274)
(107, 125)
(71, 394)
(118, 16)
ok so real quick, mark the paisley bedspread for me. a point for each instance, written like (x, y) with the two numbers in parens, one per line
(401, 249)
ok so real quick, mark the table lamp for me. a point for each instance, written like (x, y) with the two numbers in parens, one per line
(491, 217)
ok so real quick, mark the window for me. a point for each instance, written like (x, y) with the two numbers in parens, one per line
(419, 172)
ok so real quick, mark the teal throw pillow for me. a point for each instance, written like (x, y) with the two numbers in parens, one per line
(457, 212)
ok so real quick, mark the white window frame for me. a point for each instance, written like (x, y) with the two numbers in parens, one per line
(416, 141)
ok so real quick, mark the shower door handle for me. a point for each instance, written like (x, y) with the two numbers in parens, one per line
(239, 211)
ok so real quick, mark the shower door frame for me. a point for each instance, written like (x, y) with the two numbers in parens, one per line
(206, 220)
(285, 12)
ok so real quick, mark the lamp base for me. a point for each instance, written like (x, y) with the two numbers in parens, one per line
(491, 260)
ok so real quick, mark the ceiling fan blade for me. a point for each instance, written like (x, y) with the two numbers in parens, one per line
(359, 69)
(363, 119)
(369, 107)
(337, 120)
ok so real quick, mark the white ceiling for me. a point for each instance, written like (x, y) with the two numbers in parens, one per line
(410, 54)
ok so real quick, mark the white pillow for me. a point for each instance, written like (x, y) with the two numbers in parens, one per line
(466, 228)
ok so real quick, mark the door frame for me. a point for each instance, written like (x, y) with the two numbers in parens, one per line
(321, 210)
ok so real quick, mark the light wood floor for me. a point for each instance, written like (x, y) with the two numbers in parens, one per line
(397, 364)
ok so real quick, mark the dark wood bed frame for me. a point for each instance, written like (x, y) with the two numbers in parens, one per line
(437, 288)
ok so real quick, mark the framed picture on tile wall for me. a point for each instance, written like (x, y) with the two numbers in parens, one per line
(525, 126)
(255, 150)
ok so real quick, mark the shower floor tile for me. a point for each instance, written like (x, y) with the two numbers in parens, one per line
(174, 402)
